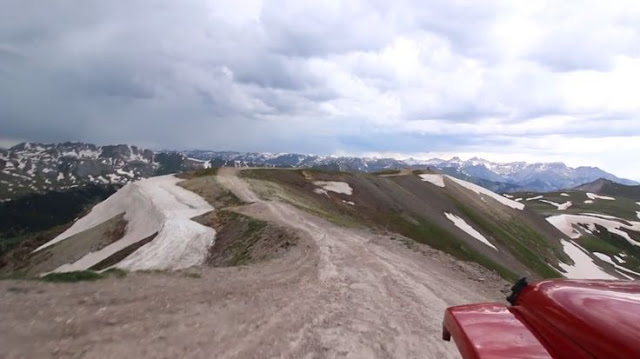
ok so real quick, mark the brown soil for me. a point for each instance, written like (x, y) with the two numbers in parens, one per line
(122, 254)
(341, 292)
(209, 188)
(398, 203)
(242, 240)
(72, 248)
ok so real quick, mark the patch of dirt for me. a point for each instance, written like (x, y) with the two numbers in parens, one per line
(122, 254)
(242, 240)
(210, 188)
(71, 249)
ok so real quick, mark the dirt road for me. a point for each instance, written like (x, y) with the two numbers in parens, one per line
(341, 293)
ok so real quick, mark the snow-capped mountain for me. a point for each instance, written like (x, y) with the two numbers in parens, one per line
(514, 176)
(540, 177)
(38, 168)
(34, 167)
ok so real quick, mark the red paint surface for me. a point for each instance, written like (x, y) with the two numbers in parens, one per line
(552, 319)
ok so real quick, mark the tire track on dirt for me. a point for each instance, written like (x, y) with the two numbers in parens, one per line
(389, 301)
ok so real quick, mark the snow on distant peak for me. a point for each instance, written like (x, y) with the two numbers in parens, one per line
(481, 190)
(435, 179)
(333, 186)
(463, 225)
(593, 196)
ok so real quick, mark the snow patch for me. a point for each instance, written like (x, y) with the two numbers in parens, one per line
(565, 195)
(435, 179)
(588, 201)
(125, 173)
(567, 224)
(320, 191)
(507, 195)
(333, 186)
(481, 190)
(518, 199)
(595, 196)
(460, 223)
(534, 198)
(584, 267)
(348, 202)
(560, 206)
(148, 206)
(166, 251)
(620, 260)
(608, 259)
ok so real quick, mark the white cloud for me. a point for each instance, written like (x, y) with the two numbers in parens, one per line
(535, 80)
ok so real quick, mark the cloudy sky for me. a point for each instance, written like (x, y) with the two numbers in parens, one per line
(504, 80)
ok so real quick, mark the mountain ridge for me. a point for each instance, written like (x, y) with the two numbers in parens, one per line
(35, 167)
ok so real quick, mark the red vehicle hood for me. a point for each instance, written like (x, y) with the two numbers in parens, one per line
(603, 317)
(553, 319)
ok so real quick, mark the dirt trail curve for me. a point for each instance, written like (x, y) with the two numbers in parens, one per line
(341, 293)
(382, 302)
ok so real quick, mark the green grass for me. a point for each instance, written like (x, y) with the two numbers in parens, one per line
(611, 244)
(437, 237)
(69, 277)
(595, 244)
(115, 272)
(525, 243)
(242, 248)
(7, 244)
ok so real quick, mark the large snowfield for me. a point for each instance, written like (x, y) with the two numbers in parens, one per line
(154, 205)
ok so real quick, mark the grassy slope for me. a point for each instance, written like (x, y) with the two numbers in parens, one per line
(387, 204)
(622, 207)
(602, 240)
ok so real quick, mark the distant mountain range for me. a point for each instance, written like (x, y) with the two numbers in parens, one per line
(34, 167)
(609, 188)
(503, 177)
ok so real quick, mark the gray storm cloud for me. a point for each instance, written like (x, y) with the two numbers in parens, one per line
(321, 77)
